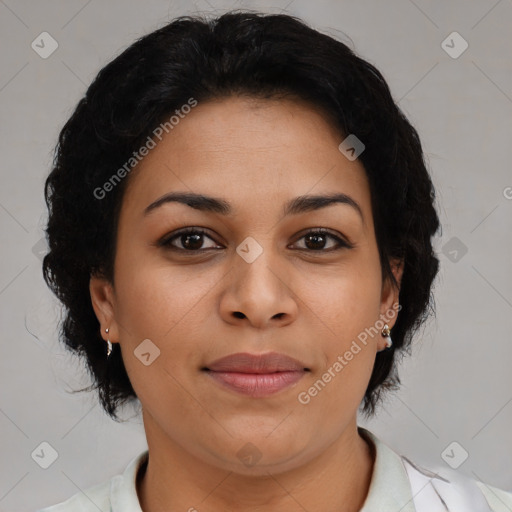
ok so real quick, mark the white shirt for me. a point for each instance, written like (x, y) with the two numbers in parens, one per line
(397, 485)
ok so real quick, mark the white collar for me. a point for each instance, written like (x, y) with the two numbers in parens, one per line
(389, 486)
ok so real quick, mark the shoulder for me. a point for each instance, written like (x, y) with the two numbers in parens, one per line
(94, 499)
(119, 493)
(498, 499)
(423, 489)
(456, 490)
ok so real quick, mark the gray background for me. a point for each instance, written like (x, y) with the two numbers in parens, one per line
(458, 384)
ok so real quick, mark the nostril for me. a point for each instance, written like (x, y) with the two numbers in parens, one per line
(238, 314)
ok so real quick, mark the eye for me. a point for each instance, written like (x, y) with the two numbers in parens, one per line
(316, 240)
(193, 239)
(190, 239)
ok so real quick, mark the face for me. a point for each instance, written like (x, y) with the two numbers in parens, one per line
(251, 272)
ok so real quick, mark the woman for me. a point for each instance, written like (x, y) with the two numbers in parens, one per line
(240, 229)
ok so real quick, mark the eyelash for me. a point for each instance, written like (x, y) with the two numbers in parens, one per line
(166, 241)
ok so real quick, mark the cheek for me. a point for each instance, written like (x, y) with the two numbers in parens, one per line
(342, 303)
(156, 301)
(346, 305)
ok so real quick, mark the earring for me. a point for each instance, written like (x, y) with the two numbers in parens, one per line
(109, 343)
(386, 333)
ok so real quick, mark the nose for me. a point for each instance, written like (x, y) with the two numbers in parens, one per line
(258, 294)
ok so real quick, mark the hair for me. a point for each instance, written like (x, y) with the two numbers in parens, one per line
(238, 53)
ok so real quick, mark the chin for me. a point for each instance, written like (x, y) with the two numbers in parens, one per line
(260, 455)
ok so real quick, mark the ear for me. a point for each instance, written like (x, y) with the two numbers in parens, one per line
(390, 293)
(103, 303)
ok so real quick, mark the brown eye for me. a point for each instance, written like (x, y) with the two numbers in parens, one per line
(191, 240)
(317, 240)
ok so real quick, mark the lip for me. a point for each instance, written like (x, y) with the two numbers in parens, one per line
(256, 375)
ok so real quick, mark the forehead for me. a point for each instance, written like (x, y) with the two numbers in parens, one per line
(250, 150)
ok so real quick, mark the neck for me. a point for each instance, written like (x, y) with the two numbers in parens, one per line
(337, 479)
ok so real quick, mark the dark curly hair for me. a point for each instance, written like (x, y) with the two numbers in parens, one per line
(244, 53)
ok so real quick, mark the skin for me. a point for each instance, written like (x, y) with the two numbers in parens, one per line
(302, 302)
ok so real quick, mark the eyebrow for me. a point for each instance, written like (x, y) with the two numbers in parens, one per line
(300, 204)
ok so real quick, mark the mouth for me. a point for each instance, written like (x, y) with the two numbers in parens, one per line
(256, 375)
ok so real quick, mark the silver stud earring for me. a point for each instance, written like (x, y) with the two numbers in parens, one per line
(386, 333)
(109, 343)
